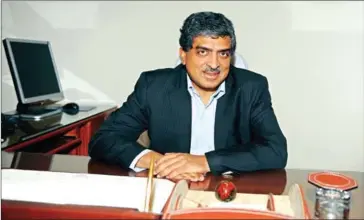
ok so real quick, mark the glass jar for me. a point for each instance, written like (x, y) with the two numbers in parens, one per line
(332, 204)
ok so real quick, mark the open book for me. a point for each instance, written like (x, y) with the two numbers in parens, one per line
(170, 199)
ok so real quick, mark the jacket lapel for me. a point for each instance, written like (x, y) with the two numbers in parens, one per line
(223, 112)
(180, 103)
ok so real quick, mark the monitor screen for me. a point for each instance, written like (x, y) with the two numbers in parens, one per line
(34, 72)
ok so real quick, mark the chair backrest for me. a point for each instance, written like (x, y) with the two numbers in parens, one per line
(237, 60)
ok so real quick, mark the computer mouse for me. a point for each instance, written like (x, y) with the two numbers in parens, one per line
(71, 108)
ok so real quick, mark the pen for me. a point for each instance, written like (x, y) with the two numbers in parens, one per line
(148, 197)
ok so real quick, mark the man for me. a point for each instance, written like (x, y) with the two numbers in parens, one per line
(203, 116)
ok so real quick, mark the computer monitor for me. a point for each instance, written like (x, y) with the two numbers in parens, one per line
(33, 71)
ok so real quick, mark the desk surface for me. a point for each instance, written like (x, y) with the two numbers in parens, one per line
(26, 132)
(276, 182)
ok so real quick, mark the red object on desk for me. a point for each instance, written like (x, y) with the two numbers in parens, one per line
(225, 191)
(331, 180)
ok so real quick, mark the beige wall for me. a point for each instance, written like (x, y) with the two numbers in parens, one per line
(311, 52)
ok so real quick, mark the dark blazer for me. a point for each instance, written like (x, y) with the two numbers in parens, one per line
(247, 134)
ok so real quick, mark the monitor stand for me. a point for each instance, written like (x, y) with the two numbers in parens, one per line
(36, 112)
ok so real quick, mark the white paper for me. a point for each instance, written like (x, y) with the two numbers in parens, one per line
(238, 206)
(82, 189)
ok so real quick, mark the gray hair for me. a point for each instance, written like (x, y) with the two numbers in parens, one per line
(206, 24)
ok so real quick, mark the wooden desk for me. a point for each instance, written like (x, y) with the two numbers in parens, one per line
(276, 182)
(70, 135)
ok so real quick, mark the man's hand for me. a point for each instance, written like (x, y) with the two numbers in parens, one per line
(194, 177)
(144, 161)
(172, 165)
(202, 185)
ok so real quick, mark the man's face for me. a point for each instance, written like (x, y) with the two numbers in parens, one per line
(208, 61)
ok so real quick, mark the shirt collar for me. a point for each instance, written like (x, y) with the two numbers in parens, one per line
(220, 90)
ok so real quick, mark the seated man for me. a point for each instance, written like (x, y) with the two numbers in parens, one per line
(203, 116)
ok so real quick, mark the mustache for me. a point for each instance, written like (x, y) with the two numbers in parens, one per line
(210, 69)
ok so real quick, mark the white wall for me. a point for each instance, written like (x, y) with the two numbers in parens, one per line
(311, 52)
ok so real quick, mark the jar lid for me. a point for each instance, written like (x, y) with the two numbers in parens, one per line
(331, 180)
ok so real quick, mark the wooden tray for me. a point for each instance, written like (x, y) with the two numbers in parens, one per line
(193, 204)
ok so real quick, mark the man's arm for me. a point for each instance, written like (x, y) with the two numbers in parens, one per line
(268, 149)
(116, 140)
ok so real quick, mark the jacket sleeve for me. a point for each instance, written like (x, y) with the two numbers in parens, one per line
(115, 141)
(268, 146)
